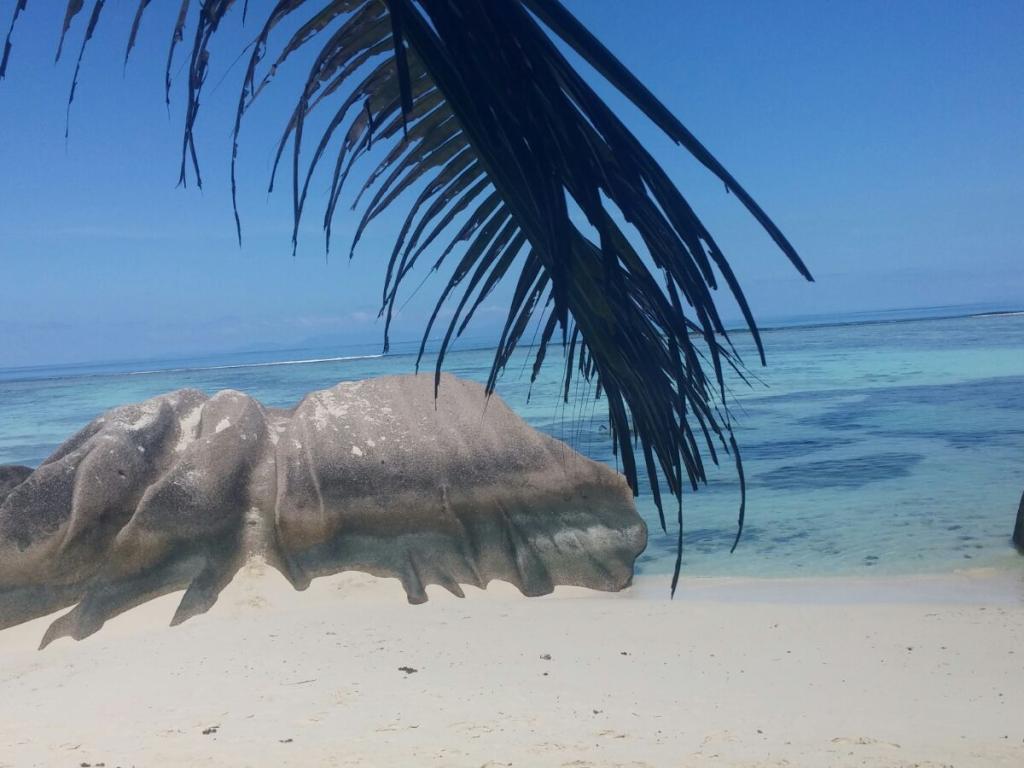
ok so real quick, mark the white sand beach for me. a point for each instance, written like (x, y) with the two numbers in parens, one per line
(904, 672)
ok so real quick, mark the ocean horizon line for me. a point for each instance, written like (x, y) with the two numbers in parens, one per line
(59, 371)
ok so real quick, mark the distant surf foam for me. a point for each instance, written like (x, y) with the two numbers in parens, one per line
(256, 365)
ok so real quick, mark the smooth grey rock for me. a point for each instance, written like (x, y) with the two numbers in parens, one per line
(12, 475)
(178, 491)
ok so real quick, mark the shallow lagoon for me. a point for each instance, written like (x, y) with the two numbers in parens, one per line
(869, 448)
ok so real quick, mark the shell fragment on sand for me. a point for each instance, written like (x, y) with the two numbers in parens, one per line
(179, 491)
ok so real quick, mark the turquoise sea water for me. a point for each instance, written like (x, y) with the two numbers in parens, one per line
(869, 447)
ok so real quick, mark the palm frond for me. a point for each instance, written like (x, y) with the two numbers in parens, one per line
(479, 111)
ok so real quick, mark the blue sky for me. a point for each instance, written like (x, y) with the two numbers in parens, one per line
(886, 139)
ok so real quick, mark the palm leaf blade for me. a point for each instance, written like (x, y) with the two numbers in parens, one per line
(501, 138)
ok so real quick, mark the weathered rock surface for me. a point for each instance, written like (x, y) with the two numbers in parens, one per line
(178, 491)
(10, 476)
